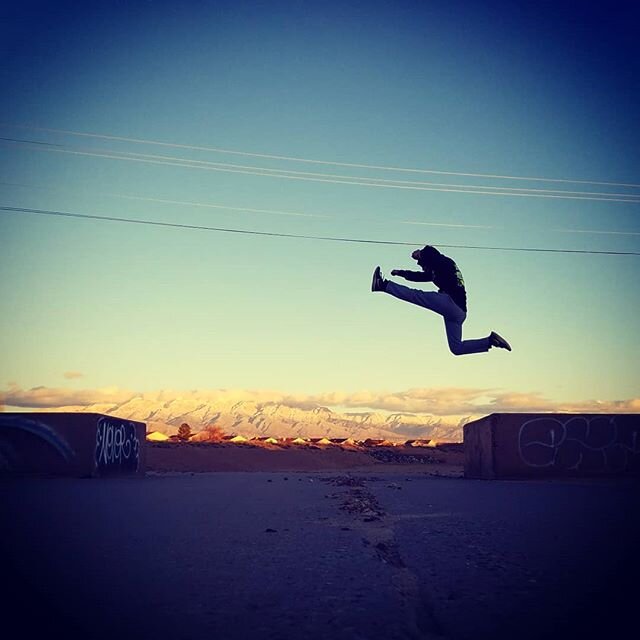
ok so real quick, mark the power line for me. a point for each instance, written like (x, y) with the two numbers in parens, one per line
(327, 177)
(315, 161)
(332, 178)
(210, 205)
(190, 161)
(176, 225)
(602, 231)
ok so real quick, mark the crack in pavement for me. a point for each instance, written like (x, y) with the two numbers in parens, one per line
(368, 518)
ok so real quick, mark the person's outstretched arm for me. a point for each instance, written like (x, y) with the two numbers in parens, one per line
(414, 276)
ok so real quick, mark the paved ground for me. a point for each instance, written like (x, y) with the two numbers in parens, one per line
(287, 556)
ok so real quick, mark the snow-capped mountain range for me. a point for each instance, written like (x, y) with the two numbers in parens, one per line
(264, 418)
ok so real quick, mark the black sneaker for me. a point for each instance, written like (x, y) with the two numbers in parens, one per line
(378, 283)
(498, 341)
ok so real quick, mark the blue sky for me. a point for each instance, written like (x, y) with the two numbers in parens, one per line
(480, 88)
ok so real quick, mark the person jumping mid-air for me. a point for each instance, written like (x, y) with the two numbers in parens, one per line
(450, 301)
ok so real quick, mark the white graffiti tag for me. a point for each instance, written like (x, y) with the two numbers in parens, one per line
(589, 443)
(117, 444)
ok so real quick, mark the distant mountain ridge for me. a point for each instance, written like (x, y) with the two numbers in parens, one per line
(264, 418)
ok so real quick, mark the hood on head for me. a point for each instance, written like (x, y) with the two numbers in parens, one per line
(429, 256)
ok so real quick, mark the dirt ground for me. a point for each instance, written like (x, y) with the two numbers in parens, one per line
(206, 457)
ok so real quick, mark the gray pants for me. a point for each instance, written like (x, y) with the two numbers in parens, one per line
(453, 316)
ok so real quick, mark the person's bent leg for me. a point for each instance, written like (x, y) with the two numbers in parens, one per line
(460, 347)
(443, 305)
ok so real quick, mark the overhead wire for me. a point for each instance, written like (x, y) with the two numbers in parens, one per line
(328, 178)
(301, 214)
(465, 187)
(67, 214)
(250, 209)
(190, 203)
(103, 136)
(322, 177)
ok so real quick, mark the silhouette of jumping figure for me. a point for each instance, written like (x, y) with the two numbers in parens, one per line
(450, 301)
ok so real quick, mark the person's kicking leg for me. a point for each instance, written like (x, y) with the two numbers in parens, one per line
(378, 283)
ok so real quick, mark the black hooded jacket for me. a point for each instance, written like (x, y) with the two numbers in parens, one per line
(443, 272)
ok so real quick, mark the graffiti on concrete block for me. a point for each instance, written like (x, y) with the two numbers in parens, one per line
(579, 443)
(117, 445)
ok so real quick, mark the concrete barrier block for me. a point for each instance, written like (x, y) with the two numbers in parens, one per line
(71, 444)
(537, 445)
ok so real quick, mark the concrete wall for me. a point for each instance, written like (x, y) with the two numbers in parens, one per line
(71, 444)
(538, 445)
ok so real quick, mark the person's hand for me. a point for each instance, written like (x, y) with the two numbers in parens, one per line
(394, 272)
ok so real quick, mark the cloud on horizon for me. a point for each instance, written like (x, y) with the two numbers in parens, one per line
(73, 375)
(441, 402)
(52, 398)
